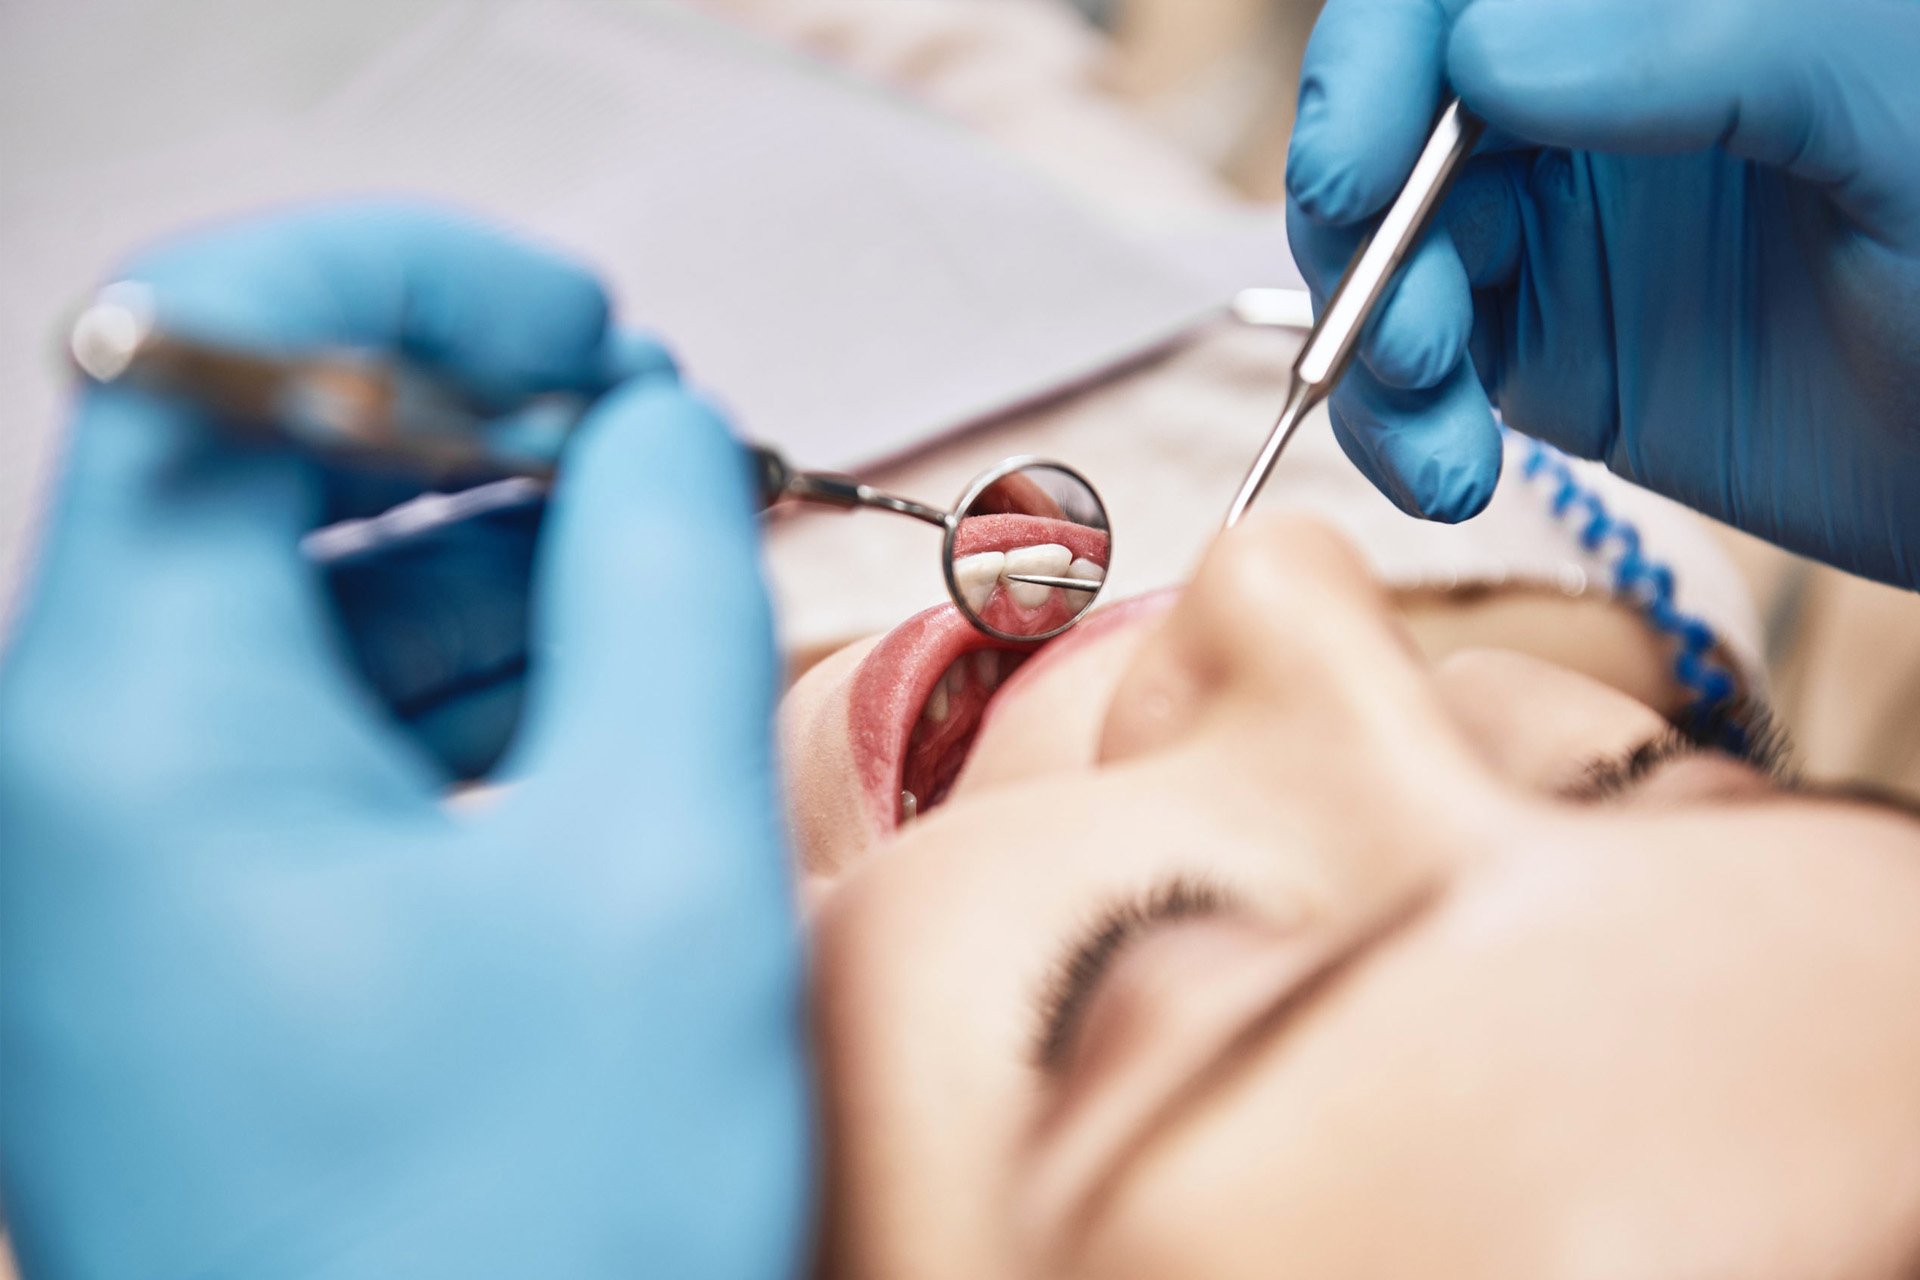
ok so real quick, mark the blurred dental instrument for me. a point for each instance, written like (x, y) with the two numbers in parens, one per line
(364, 409)
(1274, 308)
(1331, 343)
(346, 405)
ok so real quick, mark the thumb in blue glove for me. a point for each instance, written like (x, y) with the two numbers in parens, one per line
(1691, 248)
(272, 1009)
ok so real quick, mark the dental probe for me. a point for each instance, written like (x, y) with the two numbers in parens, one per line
(1044, 580)
(1331, 344)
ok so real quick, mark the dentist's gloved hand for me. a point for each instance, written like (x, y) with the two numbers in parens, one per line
(271, 1008)
(1691, 249)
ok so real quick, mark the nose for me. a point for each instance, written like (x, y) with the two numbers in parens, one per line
(1288, 654)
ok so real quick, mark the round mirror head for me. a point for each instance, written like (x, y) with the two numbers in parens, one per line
(1027, 549)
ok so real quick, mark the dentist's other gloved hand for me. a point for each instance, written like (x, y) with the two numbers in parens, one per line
(272, 1008)
(1691, 248)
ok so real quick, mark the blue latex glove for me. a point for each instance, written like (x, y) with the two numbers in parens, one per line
(1691, 249)
(273, 1010)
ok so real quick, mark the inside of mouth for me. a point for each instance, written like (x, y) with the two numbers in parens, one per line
(948, 723)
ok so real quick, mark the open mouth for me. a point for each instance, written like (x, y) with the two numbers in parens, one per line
(943, 733)
(919, 698)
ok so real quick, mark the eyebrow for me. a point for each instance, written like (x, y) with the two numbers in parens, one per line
(1272, 1021)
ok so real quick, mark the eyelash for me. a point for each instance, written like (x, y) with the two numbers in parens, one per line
(1063, 999)
(1745, 730)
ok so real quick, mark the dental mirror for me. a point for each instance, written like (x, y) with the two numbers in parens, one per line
(1027, 549)
(1025, 553)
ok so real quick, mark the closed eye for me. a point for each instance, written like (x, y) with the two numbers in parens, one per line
(1063, 1001)
(1746, 732)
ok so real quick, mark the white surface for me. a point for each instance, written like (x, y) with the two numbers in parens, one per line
(851, 275)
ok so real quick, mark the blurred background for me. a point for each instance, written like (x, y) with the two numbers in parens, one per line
(122, 118)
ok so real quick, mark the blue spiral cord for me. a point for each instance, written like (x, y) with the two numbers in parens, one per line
(1646, 583)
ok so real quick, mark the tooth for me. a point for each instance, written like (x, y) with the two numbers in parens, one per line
(936, 710)
(978, 575)
(909, 807)
(986, 668)
(1049, 559)
(1087, 571)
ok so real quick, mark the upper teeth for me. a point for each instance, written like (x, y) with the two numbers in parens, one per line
(978, 574)
(1049, 559)
(1087, 570)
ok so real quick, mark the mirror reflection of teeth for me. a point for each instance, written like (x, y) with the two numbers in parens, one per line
(980, 573)
(977, 575)
(1048, 559)
(1086, 570)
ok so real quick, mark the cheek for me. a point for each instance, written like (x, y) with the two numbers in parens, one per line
(1537, 724)
(826, 818)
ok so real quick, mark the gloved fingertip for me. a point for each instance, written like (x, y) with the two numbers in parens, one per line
(1416, 353)
(1306, 158)
(1483, 42)
(1448, 461)
(1356, 441)
(1449, 491)
(1434, 454)
(1322, 182)
(1324, 189)
(1417, 341)
(628, 354)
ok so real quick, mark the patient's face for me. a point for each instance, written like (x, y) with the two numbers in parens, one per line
(1242, 942)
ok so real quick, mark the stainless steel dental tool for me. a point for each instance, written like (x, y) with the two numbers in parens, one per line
(344, 404)
(1331, 344)
(1025, 550)
(1026, 547)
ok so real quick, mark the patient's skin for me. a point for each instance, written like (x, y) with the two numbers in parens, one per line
(1448, 1023)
